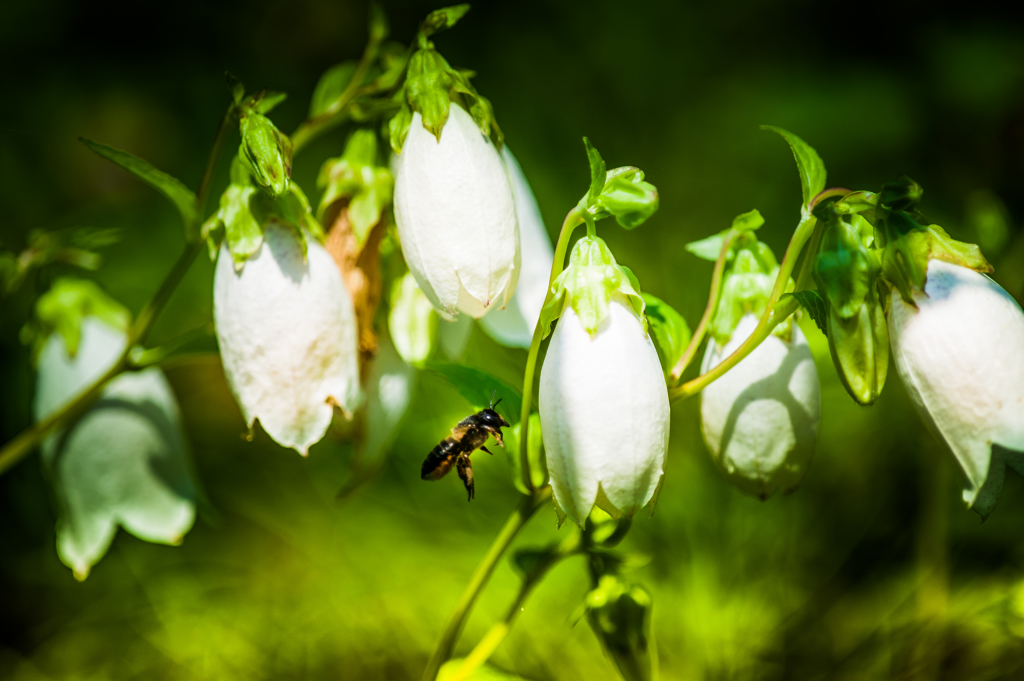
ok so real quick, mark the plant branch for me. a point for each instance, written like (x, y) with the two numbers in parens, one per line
(773, 315)
(709, 311)
(457, 620)
(572, 220)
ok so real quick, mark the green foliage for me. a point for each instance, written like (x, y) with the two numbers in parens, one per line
(62, 309)
(356, 176)
(176, 192)
(534, 452)
(620, 616)
(808, 164)
(330, 87)
(621, 193)
(669, 330)
(815, 305)
(479, 387)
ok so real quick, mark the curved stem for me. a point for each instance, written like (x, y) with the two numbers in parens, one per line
(773, 315)
(572, 220)
(457, 620)
(499, 630)
(15, 450)
(709, 311)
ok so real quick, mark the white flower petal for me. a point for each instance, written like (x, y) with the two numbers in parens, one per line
(514, 325)
(604, 413)
(456, 216)
(760, 420)
(287, 334)
(960, 354)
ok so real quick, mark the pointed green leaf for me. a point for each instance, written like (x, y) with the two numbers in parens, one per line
(477, 387)
(181, 196)
(669, 330)
(332, 83)
(808, 164)
(269, 100)
(597, 172)
(708, 248)
(815, 305)
(748, 222)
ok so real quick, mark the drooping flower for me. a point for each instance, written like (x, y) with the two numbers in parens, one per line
(456, 216)
(959, 350)
(123, 462)
(514, 325)
(760, 420)
(287, 335)
(603, 400)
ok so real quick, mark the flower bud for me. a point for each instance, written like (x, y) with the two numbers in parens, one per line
(604, 413)
(287, 335)
(456, 216)
(620, 616)
(760, 420)
(267, 153)
(960, 354)
(514, 325)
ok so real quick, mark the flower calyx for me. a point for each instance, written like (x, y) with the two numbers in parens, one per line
(265, 150)
(62, 309)
(908, 242)
(432, 85)
(588, 284)
(358, 178)
(621, 193)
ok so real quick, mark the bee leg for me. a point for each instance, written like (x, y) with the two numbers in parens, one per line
(497, 436)
(465, 469)
(487, 450)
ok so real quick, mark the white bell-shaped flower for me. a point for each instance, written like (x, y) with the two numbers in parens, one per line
(456, 216)
(760, 419)
(287, 334)
(514, 325)
(604, 413)
(960, 354)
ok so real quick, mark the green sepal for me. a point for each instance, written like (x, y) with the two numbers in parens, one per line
(588, 284)
(431, 86)
(847, 274)
(357, 176)
(266, 151)
(411, 321)
(907, 244)
(808, 164)
(711, 247)
(245, 210)
(440, 20)
(181, 196)
(621, 193)
(62, 309)
(669, 330)
(815, 305)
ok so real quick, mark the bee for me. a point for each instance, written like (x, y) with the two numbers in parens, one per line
(468, 435)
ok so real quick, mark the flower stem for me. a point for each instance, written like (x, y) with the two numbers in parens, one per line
(457, 620)
(709, 311)
(499, 630)
(572, 220)
(15, 450)
(773, 315)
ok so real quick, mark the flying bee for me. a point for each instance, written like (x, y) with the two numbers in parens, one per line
(468, 435)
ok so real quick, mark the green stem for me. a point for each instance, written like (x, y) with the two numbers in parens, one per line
(15, 450)
(457, 620)
(709, 312)
(499, 630)
(773, 315)
(572, 220)
(141, 358)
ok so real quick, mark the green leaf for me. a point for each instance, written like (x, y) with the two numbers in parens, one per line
(815, 305)
(808, 164)
(598, 172)
(669, 330)
(123, 463)
(235, 87)
(411, 321)
(534, 452)
(379, 28)
(708, 248)
(331, 85)
(181, 196)
(356, 177)
(477, 387)
(484, 672)
(268, 100)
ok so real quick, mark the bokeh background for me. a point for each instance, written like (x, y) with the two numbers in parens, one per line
(872, 569)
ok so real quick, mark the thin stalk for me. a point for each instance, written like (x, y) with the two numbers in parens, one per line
(572, 220)
(499, 630)
(457, 620)
(141, 358)
(15, 450)
(709, 312)
(773, 315)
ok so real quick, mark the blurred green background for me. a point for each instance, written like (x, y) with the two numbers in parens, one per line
(872, 569)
